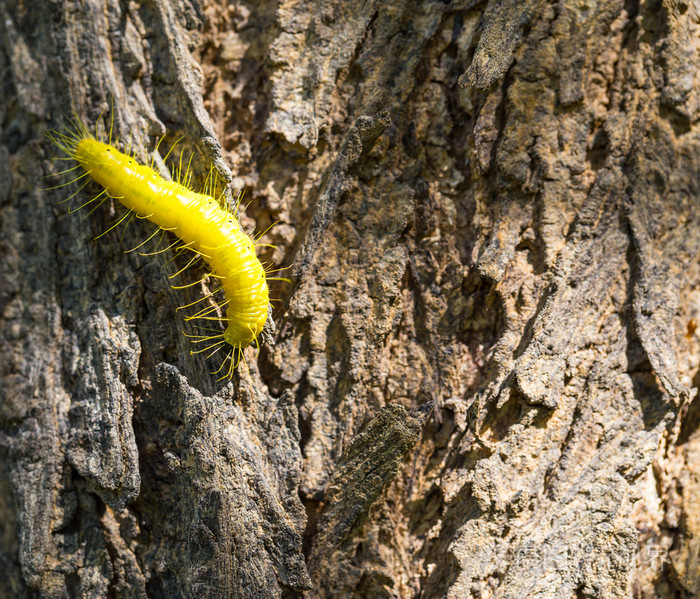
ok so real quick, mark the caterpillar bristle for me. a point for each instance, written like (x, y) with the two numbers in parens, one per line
(187, 181)
(223, 362)
(258, 236)
(58, 174)
(208, 310)
(208, 295)
(187, 285)
(95, 207)
(177, 141)
(144, 242)
(153, 156)
(212, 354)
(161, 251)
(69, 182)
(126, 226)
(111, 122)
(128, 146)
(114, 226)
(217, 318)
(269, 270)
(71, 196)
(187, 247)
(205, 311)
(232, 366)
(184, 268)
(202, 339)
(201, 351)
(66, 184)
(215, 276)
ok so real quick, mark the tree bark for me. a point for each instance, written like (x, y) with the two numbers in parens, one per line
(484, 366)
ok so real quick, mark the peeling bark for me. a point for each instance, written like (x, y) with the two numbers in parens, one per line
(482, 378)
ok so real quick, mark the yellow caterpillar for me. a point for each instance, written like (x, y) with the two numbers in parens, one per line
(197, 219)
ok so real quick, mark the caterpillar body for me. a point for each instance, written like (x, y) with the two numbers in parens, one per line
(200, 222)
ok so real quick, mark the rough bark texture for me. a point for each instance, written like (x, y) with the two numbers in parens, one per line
(483, 374)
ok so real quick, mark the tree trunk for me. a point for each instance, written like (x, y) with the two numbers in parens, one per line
(483, 370)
